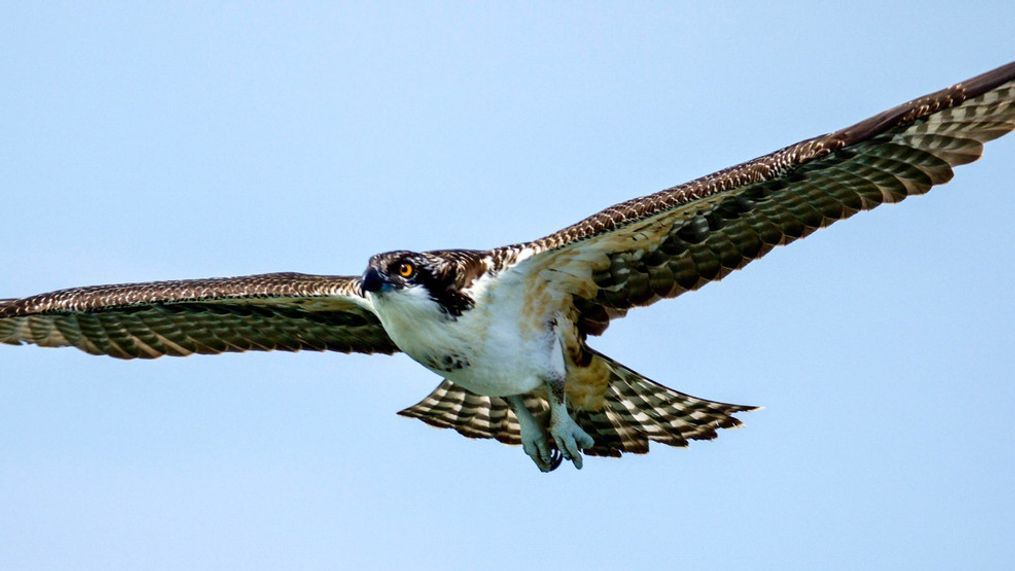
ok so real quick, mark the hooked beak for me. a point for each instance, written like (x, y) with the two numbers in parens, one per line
(372, 281)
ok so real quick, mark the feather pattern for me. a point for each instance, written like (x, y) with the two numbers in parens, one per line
(677, 240)
(472, 415)
(636, 410)
(282, 311)
(577, 279)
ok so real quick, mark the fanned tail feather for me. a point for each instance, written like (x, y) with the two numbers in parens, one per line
(637, 410)
(472, 415)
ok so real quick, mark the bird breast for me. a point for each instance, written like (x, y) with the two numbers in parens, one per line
(486, 349)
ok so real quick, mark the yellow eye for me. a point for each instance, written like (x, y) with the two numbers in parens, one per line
(406, 269)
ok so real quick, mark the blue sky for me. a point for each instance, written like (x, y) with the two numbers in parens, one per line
(196, 140)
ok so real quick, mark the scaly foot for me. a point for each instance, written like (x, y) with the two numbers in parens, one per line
(537, 446)
(567, 435)
(533, 435)
(570, 438)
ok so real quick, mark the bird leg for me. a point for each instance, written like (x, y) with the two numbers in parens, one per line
(567, 435)
(534, 440)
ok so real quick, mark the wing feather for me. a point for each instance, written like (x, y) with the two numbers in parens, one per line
(677, 240)
(282, 311)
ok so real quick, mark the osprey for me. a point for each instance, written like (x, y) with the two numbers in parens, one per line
(508, 328)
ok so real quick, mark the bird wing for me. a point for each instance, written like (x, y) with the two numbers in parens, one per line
(281, 311)
(679, 239)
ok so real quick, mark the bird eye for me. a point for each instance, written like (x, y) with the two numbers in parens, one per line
(406, 269)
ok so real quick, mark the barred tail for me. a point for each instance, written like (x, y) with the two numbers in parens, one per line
(638, 410)
(472, 415)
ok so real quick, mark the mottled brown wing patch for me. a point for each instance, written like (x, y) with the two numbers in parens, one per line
(286, 311)
(707, 243)
(682, 238)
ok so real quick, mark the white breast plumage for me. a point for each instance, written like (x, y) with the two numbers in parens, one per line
(483, 350)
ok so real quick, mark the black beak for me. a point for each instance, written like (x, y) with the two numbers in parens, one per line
(372, 280)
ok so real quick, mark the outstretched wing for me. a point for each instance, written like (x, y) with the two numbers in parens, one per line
(677, 240)
(283, 311)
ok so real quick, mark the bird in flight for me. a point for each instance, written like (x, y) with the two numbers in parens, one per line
(508, 328)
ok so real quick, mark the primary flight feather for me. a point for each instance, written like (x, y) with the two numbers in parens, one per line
(507, 328)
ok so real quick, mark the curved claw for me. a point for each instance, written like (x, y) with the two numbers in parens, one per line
(546, 457)
(556, 459)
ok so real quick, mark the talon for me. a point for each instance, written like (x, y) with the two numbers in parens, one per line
(543, 447)
(556, 461)
(571, 439)
(537, 447)
(536, 452)
(572, 452)
(564, 452)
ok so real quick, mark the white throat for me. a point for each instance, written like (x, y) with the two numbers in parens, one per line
(419, 325)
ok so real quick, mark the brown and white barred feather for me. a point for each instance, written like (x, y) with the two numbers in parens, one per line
(472, 415)
(631, 254)
(635, 410)
(679, 239)
(281, 311)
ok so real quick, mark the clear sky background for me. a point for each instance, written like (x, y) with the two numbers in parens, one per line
(195, 140)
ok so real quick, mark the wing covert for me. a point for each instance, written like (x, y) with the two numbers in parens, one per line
(281, 311)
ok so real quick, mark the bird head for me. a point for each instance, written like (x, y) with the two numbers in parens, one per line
(399, 270)
(438, 277)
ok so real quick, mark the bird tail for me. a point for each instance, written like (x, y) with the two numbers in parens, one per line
(475, 416)
(636, 410)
